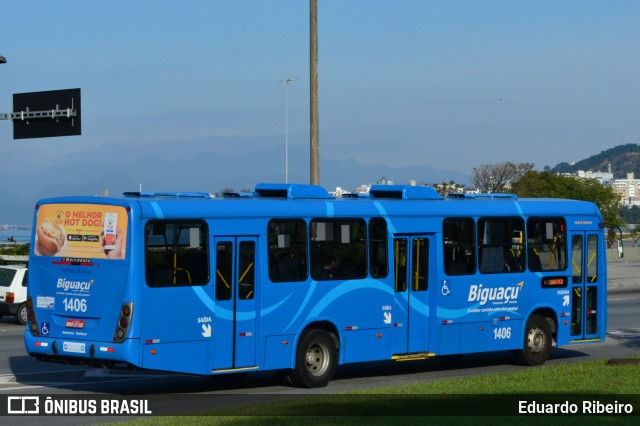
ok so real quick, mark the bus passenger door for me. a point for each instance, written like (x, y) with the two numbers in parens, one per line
(586, 281)
(411, 305)
(234, 323)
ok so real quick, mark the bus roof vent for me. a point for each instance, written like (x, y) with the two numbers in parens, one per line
(292, 191)
(355, 195)
(168, 194)
(237, 195)
(402, 192)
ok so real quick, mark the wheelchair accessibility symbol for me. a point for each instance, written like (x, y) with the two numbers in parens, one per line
(445, 289)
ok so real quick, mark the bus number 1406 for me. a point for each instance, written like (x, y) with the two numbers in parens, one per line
(502, 333)
(75, 305)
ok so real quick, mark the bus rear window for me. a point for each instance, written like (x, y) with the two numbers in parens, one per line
(176, 253)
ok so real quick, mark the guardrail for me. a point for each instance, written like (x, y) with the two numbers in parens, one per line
(14, 258)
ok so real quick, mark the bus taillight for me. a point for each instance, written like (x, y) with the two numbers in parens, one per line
(124, 322)
(32, 321)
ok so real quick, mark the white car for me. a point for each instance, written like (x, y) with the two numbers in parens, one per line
(13, 291)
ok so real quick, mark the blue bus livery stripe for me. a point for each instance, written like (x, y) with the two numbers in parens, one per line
(338, 292)
(382, 211)
(156, 209)
(206, 300)
(308, 295)
(519, 208)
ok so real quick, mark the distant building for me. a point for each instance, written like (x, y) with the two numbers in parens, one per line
(384, 181)
(103, 193)
(628, 189)
(362, 189)
(339, 192)
(604, 178)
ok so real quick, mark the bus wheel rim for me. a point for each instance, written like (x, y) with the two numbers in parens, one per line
(537, 340)
(317, 359)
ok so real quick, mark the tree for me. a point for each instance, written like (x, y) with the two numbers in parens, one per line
(498, 177)
(550, 185)
(446, 188)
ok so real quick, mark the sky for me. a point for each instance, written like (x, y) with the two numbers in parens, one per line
(451, 84)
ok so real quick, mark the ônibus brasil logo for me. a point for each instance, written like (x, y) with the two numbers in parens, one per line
(478, 293)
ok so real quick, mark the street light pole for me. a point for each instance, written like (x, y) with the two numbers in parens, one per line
(286, 82)
(314, 142)
(2, 60)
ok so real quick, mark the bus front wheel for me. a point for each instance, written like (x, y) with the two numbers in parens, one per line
(316, 359)
(537, 341)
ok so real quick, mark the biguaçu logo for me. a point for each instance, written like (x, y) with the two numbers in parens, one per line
(67, 285)
(478, 293)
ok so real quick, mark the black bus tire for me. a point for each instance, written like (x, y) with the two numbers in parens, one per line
(537, 341)
(316, 359)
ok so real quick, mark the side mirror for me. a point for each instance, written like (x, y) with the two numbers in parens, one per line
(620, 249)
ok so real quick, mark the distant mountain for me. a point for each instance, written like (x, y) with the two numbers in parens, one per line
(623, 159)
(203, 165)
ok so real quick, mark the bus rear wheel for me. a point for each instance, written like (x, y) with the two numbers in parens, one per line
(537, 341)
(316, 359)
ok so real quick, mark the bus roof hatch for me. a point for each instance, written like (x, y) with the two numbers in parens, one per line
(404, 192)
(292, 191)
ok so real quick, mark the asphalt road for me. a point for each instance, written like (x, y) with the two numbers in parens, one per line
(22, 375)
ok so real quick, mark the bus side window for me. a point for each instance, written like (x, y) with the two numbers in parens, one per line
(458, 235)
(338, 249)
(547, 244)
(500, 244)
(378, 256)
(287, 240)
(176, 253)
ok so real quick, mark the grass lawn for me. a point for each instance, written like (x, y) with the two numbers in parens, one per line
(491, 398)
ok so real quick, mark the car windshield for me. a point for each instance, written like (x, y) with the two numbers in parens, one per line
(6, 276)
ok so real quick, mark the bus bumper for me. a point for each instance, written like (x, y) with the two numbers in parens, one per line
(81, 351)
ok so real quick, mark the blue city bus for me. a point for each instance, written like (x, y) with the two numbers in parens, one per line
(289, 278)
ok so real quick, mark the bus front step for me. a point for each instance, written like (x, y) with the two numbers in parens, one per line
(413, 357)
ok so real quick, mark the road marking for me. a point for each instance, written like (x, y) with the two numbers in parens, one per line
(9, 382)
(619, 299)
(43, 372)
(624, 334)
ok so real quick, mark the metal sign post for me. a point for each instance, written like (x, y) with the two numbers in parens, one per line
(45, 114)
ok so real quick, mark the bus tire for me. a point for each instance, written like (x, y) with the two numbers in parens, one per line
(21, 314)
(537, 341)
(316, 359)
